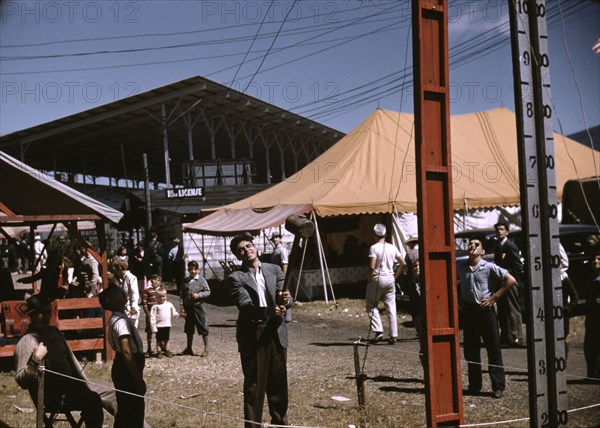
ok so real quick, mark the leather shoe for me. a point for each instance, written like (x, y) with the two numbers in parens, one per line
(392, 341)
(472, 391)
(188, 351)
(518, 343)
(378, 338)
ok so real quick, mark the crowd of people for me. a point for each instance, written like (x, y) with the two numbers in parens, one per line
(257, 291)
(488, 296)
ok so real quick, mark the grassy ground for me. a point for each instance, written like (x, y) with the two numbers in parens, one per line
(320, 370)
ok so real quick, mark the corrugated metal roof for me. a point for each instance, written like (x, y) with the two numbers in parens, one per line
(109, 140)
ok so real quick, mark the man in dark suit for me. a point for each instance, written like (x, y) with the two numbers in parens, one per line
(508, 256)
(257, 290)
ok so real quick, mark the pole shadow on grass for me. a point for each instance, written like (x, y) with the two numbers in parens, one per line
(222, 325)
(390, 379)
(583, 381)
(331, 344)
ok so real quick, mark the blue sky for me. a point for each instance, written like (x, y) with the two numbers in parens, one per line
(332, 61)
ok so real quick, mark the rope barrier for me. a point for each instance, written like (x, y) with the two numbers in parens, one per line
(206, 412)
(481, 424)
(517, 369)
(267, 425)
(360, 342)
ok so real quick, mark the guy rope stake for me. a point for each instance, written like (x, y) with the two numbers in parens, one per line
(360, 376)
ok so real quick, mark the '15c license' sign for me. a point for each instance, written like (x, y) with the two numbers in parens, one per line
(187, 192)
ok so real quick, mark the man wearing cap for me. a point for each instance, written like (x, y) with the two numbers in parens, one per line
(382, 284)
(280, 255)
(257, 290)
(46, 343)
(176, 265)
(39, 253)
(508, 256)
(409, 282)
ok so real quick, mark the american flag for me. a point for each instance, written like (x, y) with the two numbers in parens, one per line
(596, 47)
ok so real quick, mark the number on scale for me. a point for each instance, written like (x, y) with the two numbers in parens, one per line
(550, 163)
(540, 315)
(563, 417)
(532, 161)
(544, 60)
(557, 312)
(523, 7)
(552, 211)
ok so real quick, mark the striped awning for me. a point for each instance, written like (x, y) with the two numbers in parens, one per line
(229, 222)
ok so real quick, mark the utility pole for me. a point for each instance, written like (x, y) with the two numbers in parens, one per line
(539, 211)
(443, 383)
(165, 134)
(147, 195)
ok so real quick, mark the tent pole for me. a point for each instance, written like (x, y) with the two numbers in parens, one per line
(465, 213)
(203, 258)
(327, 270)
(318, 234)
(322, 250)
(305, 244)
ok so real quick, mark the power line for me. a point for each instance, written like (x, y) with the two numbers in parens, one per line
(169, 34)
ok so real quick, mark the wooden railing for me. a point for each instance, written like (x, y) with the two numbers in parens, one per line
(16, 320)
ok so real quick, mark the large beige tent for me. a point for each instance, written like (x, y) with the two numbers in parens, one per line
(372, 170)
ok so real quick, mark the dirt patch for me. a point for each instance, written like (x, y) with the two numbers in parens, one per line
(320, 366)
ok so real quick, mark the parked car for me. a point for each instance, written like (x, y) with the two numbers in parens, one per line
(581, 242)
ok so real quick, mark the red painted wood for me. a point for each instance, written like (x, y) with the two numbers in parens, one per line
(434, 211)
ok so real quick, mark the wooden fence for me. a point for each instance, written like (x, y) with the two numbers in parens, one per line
(76, 318)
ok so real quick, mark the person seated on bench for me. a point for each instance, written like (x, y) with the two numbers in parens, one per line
(46, 342)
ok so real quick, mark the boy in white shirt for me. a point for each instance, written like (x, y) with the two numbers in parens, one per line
(129, 284)
(128, 366)
(160, 321)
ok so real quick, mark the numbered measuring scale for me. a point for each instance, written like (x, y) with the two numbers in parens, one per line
(546, 357)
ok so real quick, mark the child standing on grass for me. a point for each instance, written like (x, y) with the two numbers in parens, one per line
(160, 320)
(128, 366)
(149, 299)
(193, 292)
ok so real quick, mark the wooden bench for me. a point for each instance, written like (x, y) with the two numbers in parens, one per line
(16, 320)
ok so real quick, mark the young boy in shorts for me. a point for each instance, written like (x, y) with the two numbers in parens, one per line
(193, 292)
(149, 299)
(160, 321)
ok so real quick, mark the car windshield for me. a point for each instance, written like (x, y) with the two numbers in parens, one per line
(581, 244)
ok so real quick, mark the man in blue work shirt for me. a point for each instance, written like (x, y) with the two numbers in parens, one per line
(482, 283)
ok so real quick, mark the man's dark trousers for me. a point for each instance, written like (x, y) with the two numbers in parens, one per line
(482, 323)
(265, 370)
